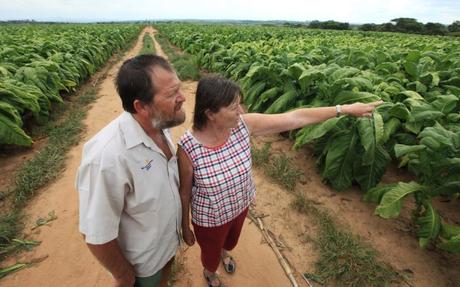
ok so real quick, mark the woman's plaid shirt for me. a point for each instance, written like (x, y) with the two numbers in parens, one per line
(222, 177)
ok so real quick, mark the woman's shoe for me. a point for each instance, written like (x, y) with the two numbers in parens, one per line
(212, 278)
(229, 267)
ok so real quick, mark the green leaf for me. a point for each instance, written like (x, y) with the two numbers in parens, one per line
(449, 231)
(413, 127)
(375, 194)
(454, 81)
(312, 132)
(431, 143)
(391, 203)
(448, 189)
(453, 117)
(423, 113)
(11, 133)
(378, 128)
(283, 103)
(401, 150)
(254, 92)
(343, 72)
(439, 134)
(411, 62)
(452, 245)
(296, 69)
(390, 127)
(369, 175)
(399, 111)
(430, 79)
(347, 97)
(11, 113)
(445, 104)
(308, 76)
(412, 95)
(338, 168)
(367, 139)
(416, 86)
(256, 70)
(429, 225)
(264, 98)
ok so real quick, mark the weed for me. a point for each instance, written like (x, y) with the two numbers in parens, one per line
(260, 157)
(185, 64)
(281, 169)
(343, 256)
(148, 46)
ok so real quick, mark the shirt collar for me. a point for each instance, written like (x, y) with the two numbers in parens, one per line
(134, 134)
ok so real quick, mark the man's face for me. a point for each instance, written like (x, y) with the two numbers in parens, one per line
(166, 107)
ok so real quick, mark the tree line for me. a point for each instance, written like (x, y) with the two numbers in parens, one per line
(401, 25)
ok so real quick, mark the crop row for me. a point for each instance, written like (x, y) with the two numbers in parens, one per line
(418, 77)
(39, 62)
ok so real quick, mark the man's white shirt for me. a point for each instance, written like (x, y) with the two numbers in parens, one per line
(129, 191)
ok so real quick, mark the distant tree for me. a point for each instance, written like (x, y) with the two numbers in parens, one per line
(314, 24)
(336, 25)
(454, 27)
(402, 25)
(386, 27)
(330, 24)
(434, 29)
(407, 25)
(368, 27)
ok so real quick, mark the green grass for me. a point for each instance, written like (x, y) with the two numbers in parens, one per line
(176, 269)
(282, 170)
(49, 162)
(260, 157)
(185, 64)
(277, 167)
(344, 258)
(148, 46)
(10, 226)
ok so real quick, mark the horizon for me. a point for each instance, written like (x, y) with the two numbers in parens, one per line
(90, 21)
(351, 11)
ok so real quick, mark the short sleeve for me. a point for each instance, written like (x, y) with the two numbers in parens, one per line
(102, 196)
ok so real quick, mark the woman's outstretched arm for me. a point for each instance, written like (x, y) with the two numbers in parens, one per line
(261, 124)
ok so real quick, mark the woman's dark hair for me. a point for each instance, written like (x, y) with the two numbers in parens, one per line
(134, 82)
(213, 93)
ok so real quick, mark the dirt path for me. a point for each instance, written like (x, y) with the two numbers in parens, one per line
(69, 262)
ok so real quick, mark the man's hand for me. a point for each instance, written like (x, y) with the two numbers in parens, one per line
(360, 109)
(188, 236)
(125, 280)
(111, 257)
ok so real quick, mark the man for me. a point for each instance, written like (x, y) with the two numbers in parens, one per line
(130, 212)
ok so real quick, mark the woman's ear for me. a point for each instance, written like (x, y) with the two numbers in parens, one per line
(209, 114)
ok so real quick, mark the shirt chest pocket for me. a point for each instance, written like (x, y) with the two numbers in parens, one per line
(148, 183)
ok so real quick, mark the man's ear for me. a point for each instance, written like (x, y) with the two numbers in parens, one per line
(141, 108)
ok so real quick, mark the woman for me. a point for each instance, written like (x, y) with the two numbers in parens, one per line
(215, 166)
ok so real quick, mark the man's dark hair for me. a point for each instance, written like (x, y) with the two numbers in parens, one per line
(134, 82)
(213, 93)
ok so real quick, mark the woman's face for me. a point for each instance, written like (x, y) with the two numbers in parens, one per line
(228, 117)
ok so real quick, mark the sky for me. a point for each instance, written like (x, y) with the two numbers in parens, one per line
(351, 11)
